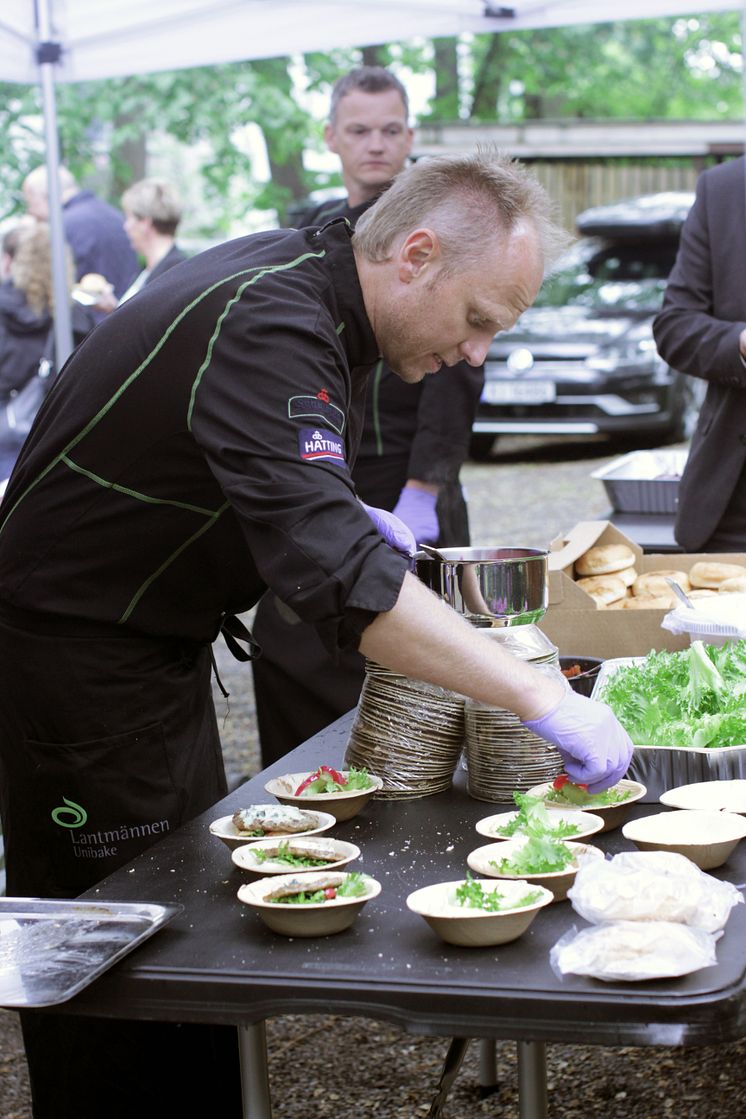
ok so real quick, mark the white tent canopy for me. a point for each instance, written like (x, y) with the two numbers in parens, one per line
(47, 41)
(113, 38)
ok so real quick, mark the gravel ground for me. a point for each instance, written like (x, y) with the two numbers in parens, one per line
(530, 492)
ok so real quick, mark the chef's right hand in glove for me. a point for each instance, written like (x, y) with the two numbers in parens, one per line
(396, 534)
(594, 746)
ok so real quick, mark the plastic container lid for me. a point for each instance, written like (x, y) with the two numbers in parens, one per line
(713, 620)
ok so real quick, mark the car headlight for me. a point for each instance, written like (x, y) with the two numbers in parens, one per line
(635, 349)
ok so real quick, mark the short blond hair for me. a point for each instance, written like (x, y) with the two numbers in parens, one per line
(464, 199)
(157, 200)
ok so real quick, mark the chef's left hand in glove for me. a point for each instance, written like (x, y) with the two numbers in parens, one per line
(396, 534)
(416, 507)
(594, 746)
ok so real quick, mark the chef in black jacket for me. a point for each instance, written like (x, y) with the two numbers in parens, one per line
(413, 442)
(194, 451)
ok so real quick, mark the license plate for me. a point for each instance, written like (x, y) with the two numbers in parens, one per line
(519, 392)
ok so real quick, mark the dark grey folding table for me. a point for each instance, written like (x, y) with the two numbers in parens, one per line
(217, 962)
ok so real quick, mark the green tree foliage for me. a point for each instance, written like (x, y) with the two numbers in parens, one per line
(685, 68)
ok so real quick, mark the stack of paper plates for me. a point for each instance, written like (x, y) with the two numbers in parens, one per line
(408, 733)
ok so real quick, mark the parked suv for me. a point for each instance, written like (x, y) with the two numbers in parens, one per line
(582, 359)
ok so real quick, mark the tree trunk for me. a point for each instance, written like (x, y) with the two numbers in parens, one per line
(284, 138)
(128, 162)
(446, 105)
(487, 82)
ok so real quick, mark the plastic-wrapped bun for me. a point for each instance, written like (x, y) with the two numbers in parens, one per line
(633, 950)
(652, 886)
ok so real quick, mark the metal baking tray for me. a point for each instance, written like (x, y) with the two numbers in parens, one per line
(644, 481)
(50, 950)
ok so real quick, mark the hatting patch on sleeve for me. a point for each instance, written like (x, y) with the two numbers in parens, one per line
(316, 444)
(317, 407)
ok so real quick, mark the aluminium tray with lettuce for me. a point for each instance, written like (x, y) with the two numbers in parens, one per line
(660, 766)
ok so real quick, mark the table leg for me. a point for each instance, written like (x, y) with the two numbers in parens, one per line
(487, 1067)
(451, 1065)
(532, 1080)
(255, 1091)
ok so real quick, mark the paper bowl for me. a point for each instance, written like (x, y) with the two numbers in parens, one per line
(558, 881)
(707, 838)
(337, 851)
(225, 830)
(586, 822)
(322, 919)
(613, 814)
(474, 928)
(710, 796)
(343, 806)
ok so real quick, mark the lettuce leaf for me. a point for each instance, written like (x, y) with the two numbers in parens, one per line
(692, 698)
(532, 818)
(538, 855)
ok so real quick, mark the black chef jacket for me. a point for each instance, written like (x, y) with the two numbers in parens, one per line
(194, 450)
(197, 448)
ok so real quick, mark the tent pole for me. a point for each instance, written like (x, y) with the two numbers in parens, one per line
(48, 54)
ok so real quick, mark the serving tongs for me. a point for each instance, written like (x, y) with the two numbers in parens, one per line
(680, 592)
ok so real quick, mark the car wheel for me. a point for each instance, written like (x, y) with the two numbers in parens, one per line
(687, 398)
(480, 447)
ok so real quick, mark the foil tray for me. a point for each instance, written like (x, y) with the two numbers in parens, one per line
(660, 768)
(50, 950)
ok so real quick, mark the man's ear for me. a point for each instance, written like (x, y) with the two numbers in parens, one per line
(419, 251)
(330, 138)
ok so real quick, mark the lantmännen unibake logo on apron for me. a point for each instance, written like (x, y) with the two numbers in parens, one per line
(102, 843)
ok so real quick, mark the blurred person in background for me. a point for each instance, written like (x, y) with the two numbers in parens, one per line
(152, 212)
(26, 326)
(93, 229)
(414, 438)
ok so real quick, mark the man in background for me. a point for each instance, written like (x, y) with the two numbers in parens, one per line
(414, 438)
(701, 330)
(93, 229)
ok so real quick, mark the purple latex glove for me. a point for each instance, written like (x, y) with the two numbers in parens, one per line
(394, 532)
(417, 509)
(594, 746)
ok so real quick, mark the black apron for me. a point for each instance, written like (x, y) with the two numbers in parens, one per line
(108, 741)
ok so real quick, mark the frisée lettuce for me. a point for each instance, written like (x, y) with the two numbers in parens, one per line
(695, 698)
(532, 818)
(538, 855)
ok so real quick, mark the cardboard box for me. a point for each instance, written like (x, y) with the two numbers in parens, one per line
(579, 628)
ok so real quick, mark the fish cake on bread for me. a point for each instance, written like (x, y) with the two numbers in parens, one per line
(604, 559)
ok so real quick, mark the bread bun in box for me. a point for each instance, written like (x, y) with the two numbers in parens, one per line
(605, 559)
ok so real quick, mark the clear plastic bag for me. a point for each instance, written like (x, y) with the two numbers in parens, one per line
(634, 950)
(652, 886)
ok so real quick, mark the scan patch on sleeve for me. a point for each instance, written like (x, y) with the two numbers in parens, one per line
(317, 407)
(318, 445)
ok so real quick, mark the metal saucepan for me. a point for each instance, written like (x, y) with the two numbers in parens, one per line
(489, 586)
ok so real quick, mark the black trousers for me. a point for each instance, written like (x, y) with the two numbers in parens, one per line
(107, 741)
